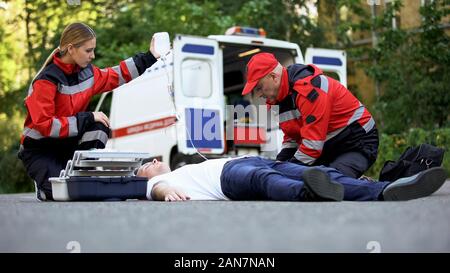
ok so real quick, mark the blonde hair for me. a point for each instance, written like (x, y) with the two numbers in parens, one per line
(75, 34)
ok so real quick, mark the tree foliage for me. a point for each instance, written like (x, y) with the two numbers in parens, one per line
(412, 67)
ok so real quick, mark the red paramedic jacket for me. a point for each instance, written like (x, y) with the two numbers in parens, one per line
(315, 108)
(60, 94)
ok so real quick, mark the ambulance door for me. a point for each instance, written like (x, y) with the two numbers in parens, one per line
(198, 88)
(329, 60)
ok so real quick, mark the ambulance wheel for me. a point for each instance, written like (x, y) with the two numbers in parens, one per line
(179, 160)
(196, 159)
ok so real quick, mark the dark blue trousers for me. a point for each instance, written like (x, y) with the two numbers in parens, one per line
(255, 178)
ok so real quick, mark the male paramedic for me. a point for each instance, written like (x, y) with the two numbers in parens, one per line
(255, 178)
(322, 122)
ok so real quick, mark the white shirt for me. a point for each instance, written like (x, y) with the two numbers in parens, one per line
(198, 181)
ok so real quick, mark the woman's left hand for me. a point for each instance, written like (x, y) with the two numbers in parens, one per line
(152, 49)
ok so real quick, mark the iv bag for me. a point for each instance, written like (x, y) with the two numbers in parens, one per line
(162, 43)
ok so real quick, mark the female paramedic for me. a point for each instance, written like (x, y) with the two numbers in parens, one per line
(57, 122)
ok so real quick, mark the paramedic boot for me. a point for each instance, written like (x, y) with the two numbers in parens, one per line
(319, 187)
(420, 185)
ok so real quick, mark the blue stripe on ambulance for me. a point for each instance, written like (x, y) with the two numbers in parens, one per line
(199, 49)
(326, 60)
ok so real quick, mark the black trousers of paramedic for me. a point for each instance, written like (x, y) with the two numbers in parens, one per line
(351, 152)
(46, 158)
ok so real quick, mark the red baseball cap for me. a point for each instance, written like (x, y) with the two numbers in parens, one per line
(259, 66)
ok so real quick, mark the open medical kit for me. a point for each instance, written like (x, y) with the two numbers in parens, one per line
(101, 175)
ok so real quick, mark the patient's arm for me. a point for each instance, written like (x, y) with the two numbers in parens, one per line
(164, 192)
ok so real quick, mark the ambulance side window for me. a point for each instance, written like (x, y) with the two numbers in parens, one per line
(196, 78)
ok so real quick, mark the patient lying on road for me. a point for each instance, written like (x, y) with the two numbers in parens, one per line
(256, 178)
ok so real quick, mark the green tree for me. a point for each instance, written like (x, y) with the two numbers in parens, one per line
(413, 69)
(282, 19)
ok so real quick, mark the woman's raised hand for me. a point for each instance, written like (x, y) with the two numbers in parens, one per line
(101, 117)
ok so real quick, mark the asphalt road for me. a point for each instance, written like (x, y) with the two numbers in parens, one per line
(421, 225)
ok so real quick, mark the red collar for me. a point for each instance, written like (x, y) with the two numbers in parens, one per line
(65, 67)
(284, 86)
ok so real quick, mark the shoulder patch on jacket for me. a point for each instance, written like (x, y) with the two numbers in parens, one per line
(313, 95)
(310, 119)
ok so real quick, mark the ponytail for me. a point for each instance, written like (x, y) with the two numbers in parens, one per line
(47, 61)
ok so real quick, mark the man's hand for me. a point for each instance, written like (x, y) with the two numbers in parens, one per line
(173, 194)
(163, 192)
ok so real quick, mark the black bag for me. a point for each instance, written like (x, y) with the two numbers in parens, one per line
(412, 161)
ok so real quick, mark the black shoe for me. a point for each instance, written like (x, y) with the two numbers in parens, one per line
(420, 185)
(319, 187)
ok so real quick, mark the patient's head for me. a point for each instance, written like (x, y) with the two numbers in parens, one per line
(153, 168)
